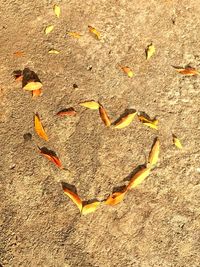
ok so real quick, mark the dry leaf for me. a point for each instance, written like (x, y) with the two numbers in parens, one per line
(74, 197)
(90, 104)
(150, 50)
(125, 121)
(138, 177)
(51, 156)
(153, 156)
(148, 122)
(177, 142)
(37, 92)
(53, 51)
(88, 208)
(31, 86)
(56, 9)
(127, 70)
(49, 29)
(67, 112)
(18, 53)
(39, 128)
(115, 198)
(94, 31)
(74, 34)
(104, 116)
(187, 71)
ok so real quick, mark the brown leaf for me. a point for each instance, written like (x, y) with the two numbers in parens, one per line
(51, 156)
(153, 156)
(74, 197)
(88, 208)
(188, 71)
(104, 116)
(39, 128)
(67, 112)
(115, 198)
(125, 121)
(138, 178)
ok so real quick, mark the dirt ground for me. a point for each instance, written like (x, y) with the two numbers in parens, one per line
(158, 223)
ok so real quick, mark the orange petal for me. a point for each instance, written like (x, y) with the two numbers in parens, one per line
(115, 198)
(94, 31)
(74, 197)
(88, 208)
(138, 178)
(127, 71)
(153, 156)
(67, 112)
(18, 53)
(104, 116)
(37, 92)
(187, 71)
(50, 156)
(39, 128)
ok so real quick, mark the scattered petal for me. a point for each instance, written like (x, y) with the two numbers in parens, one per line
(39, 128)
(49, 29)
(138, 177)
(148, 122)
(31, 86)
(115, 198)
(50, 155)
(53, 51)
(187, 71)
(56, 9)
(104, 116)
(153, 156)
(90, 104)
(88, 208)
(125, 121)
(127, 71)
(150, 51)
(37, 92)
(74, 197)
(67, 112)
(177, 142)
(94, 31)
(18, 75)
(74, 34)
(18, 54)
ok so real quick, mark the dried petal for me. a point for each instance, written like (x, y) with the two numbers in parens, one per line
(18, 53)
(187, 71)
(138, 178)
(53, 51)
(49, 29)
(74, 197)
(115, 198)
(39, 128)
(177, 142)
(94, 31)
(150, 50)
(127, 70)
(31, 86)
(67, 112)
(37, 92)
(125, 121)
(51, 156)
(56, 9)
(153, 156)
(104, 116)
(148, 122)
(90, 104)
(88, 208)
(74, 34)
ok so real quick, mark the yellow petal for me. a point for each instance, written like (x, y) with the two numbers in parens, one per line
(53, 51)
(90, 207)
(177, 142)
(94, 31)
(153, 156)
(125, 121)
(115, 198)
(90, 104)
(39, 128)
(151, 125)
(150, 51)
(56, 9)
(138, 178)
(74, 34)
(74, 197)
(32, 86)
(127, 70)
(48, 29)
(104, 116)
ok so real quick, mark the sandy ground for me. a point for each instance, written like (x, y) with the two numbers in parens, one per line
(158, 224)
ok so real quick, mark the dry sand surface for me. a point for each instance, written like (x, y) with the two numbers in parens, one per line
(158, 223)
